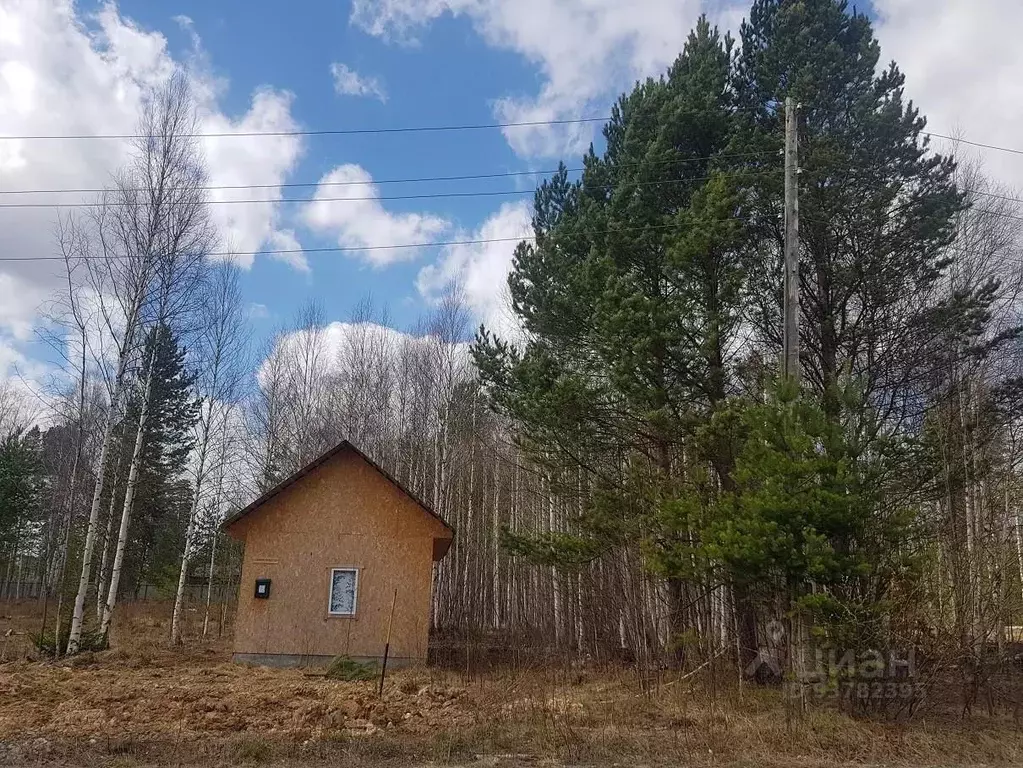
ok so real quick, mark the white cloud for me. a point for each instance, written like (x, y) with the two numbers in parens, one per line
(285, 240)
(330, 348)
(337, 336)
(348, 82)
(23, 399)
(331, 341)
(964, 81)
(587, 52)
(66, 73)
(480, 271)
(251, 160)
(258, 311)
(20, 301)
(63, 73)
(346, 207)
(10, 359)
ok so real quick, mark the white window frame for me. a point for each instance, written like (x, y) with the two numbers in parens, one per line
(355, 591)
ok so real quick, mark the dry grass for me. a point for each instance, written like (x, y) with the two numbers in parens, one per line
(145, 702)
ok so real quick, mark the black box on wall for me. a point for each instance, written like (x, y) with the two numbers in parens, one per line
(262, 589)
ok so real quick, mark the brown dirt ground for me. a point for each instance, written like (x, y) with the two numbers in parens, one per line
(145, 702)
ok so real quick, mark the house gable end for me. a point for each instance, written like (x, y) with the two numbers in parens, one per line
(341, 493)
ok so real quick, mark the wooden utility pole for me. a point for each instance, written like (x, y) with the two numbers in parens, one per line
(790, 329)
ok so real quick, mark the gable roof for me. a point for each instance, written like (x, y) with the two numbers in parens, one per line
(344, 445)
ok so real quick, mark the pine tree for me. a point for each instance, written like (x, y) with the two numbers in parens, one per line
(878, 216)
(877, 208)
(645, 273)
(631, 298)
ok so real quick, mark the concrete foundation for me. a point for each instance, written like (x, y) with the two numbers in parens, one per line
(295, 660)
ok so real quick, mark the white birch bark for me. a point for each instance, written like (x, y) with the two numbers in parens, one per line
(556, 605)
(78, 613)
(209, 585)
(104, 560)
(1017, 525)
(186, 555)
(218, 503)
(129, 498)
(496, 552)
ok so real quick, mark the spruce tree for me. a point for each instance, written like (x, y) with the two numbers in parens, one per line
(21, 488)
(163, 495)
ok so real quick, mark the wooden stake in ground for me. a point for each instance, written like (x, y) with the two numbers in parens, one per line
(387, 642)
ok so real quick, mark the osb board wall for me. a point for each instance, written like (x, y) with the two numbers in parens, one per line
(343, 514)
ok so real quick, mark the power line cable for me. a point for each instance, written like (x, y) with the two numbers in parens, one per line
(291, 184)
(956, 139)
(994, 195)
(424, 196)
(362, 182)
(371, 198)
(420, 179)
(323, 132)
(423, 179)
(396, 246)
(403, 129)
(356, 248)
(1002, 214)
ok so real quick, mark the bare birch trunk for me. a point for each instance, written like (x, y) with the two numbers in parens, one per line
(186, 555)
(209, 586)
(62, 568)
(213, 546)
(1018, 530)
(75, 634)
(468, 522)
(496, 554)
(972, 515)
(129, 499)
(64, 539)
(556, 606)
(104, 560)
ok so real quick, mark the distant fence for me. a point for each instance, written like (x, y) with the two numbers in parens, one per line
(194, 593)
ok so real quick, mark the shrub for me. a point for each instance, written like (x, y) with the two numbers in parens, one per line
(347, 668)
(252, 750)
(91, 640)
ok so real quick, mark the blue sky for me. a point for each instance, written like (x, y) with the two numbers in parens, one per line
(68, 68)
(450, 76)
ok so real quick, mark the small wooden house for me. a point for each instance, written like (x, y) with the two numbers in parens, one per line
(327, 551)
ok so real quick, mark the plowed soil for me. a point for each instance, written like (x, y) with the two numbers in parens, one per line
(103, 695)
(148, 703)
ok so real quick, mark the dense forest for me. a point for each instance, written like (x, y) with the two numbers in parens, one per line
(629, 475)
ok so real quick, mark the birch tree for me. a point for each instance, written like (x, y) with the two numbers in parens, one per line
(219, 362)
(165, 215)
(119, 277)
(76, 320)
(265, 415)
